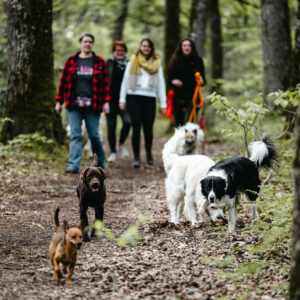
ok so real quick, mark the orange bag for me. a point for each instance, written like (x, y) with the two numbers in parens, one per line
(169, 109)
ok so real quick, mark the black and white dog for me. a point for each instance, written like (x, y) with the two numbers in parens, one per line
(227, 178)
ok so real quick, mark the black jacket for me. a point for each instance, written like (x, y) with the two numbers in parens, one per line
(185, 73)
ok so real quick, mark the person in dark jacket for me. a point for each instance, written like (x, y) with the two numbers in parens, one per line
(84, 89)
(184, 63)
(116, 67)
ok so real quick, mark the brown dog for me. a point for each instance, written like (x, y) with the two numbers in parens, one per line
(63, 248)
(91, 191)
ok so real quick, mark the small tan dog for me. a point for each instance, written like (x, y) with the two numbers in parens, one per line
(63, 248)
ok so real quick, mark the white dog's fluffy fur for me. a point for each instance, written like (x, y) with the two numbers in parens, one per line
(184, 173)
(185, 141)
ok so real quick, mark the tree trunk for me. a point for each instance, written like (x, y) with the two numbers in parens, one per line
(295, 264)
(295, 78)
(120, 21)
(276, 44)
(216, 46)
(200, 13)
(31, 90)
(172, 28)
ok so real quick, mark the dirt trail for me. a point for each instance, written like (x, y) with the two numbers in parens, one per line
(165, 265)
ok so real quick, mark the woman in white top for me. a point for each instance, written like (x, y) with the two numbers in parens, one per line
(143, 81)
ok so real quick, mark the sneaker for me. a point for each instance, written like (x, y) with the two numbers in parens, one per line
(150, 162)
(123, 151)
(70, 170)
(112, 157)
(136, 164)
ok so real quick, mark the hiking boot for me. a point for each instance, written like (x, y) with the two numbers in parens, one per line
(112, 157)
(123, 151)
(70, 170)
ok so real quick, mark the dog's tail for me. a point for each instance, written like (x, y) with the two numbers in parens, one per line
(95, 161)
(56, 220)
(263, 153)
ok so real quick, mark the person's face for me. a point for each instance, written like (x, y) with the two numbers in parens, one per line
(86, 44)
(119, 52)
(145, 48)
(186, 47)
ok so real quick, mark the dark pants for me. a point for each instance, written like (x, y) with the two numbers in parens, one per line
(142, 113)
(181, 111)
(112, 126)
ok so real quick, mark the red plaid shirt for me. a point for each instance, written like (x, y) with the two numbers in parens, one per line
(66, 90)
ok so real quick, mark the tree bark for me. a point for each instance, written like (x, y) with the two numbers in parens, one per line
(295, 78)
(31, 90)
(295, 264)
(172, 28)
(276, 40)
(216, 45)
(199, 19)
(120, 21)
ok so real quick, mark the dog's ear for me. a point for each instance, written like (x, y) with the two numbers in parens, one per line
(83, 174)
(66, 226)
(232, 176)
(80, 225)
(102, 173)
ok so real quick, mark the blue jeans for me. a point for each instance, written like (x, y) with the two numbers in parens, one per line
(75, 118)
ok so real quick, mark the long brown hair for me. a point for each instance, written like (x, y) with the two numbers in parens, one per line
(151, 44)
(176, 62)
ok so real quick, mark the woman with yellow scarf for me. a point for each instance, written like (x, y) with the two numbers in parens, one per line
(143, 81)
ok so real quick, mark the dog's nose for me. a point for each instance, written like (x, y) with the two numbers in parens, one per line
(79, 244)
(95, 185)
(211, 199)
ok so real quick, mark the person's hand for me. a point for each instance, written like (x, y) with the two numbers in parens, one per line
(106, 108)
(122, 106)
(58, 107)
(163, 111)
(177, 83)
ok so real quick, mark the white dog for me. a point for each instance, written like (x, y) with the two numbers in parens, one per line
(182, 184)
(185, 141)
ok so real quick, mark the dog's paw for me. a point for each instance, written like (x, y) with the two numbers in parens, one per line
(86, 238)
(93, 233)
(68, 282)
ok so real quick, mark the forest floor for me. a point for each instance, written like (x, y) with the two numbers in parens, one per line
(169, 262)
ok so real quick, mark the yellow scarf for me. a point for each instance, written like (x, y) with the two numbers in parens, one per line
(139, 61)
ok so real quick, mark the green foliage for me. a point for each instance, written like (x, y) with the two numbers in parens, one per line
(37, 145)
(244, 119)
(243, 271)
(287, 98)
(221, 263)
(129, 237)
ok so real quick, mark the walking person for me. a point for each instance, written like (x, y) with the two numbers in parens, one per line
(143, 81)
(184, 63)
(116, 67)
(84, 89)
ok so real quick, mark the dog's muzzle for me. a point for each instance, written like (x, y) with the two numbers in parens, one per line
(95, 186)
(78, 245)
(211, 199)
(189, 143)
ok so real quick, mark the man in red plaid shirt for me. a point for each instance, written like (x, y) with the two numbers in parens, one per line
(84, 89)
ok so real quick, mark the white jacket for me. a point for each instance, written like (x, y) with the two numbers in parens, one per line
(142, 87)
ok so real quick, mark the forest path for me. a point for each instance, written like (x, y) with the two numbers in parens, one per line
(166, 264)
